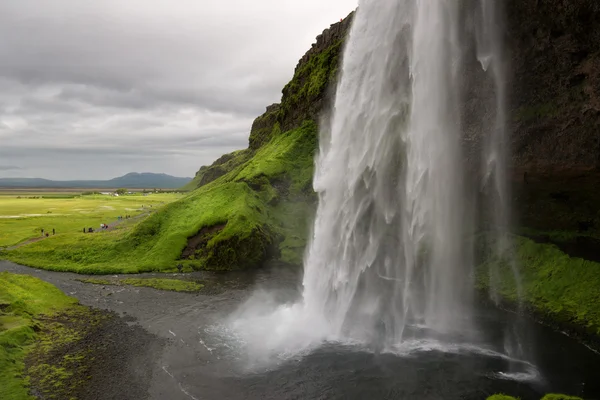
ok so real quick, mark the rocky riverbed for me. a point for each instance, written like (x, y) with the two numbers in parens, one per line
(170, 345)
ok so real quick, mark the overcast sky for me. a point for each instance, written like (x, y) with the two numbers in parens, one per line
(98, 88)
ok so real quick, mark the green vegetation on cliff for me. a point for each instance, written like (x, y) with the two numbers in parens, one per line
(26, 304)
(256, 210)
(249, 206)
(557, 287)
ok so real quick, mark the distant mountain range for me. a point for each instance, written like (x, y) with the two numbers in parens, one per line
(132, 180)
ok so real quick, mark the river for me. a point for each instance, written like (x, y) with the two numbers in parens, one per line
(202, 360)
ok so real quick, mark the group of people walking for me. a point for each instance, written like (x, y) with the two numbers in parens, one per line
(105, 226)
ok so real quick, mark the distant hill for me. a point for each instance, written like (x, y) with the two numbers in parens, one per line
(132, 180)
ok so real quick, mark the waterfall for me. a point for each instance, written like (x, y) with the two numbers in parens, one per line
(495, 158)
(389, 246)
(389, 257)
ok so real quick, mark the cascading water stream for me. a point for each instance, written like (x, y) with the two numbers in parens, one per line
(495, 158)
(389, 259)
(387, 245)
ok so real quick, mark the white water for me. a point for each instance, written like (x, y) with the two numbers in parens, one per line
(390, 183)
(388, 248)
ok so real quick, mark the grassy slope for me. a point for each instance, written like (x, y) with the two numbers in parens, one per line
(261, 202)
(261, 197)
(223, 165)
(561, 287)
(22, 300)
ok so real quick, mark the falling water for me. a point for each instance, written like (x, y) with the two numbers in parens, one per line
(389, 250)
(388, 239)
(495, 158)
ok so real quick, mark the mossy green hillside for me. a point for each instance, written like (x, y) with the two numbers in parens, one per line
(248, 206)
(174, 285)
(562, 288)
(309, 85)
(24, 304)
(260, 208)
(220, 167)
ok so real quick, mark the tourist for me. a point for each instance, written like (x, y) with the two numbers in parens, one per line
(42, 231)
(53, 231)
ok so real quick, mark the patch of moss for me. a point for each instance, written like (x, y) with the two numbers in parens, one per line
(311, 80)
(58, 363)
(563, 288)
(264, 128)
(220, 167)
(536, 111)
(26, 301)
(502, 397)
(553, 396)
(174, 285)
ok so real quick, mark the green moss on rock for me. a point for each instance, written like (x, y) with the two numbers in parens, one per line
(502, 397)
(553, 396)
(170, 284)
(560, 288)
(27, 304)
(264, 127)
(252, 194)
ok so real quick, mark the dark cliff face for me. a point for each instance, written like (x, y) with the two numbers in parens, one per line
(552, 72)
(553, 105)
(554, 53)
(555, 102)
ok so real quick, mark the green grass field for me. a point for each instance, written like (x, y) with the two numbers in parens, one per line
(22, 300)
(24, 215)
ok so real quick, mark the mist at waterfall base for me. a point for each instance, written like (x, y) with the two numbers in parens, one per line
(389, 269)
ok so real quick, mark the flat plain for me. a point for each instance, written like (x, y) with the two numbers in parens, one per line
(24, 213)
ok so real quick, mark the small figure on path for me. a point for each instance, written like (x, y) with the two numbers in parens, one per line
(47, 234)
(179, 267)
(42, 231)
(53, 231)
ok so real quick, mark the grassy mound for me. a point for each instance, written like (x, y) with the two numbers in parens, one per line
(24, 303)
(563, 288)
(174, 285)
(262, 208)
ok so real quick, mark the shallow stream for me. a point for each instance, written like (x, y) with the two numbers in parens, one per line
(205, 360)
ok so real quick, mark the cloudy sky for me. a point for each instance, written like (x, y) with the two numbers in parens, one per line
(95, 89)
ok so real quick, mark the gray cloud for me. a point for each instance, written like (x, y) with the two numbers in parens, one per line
(8, 167)
(99, 89)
